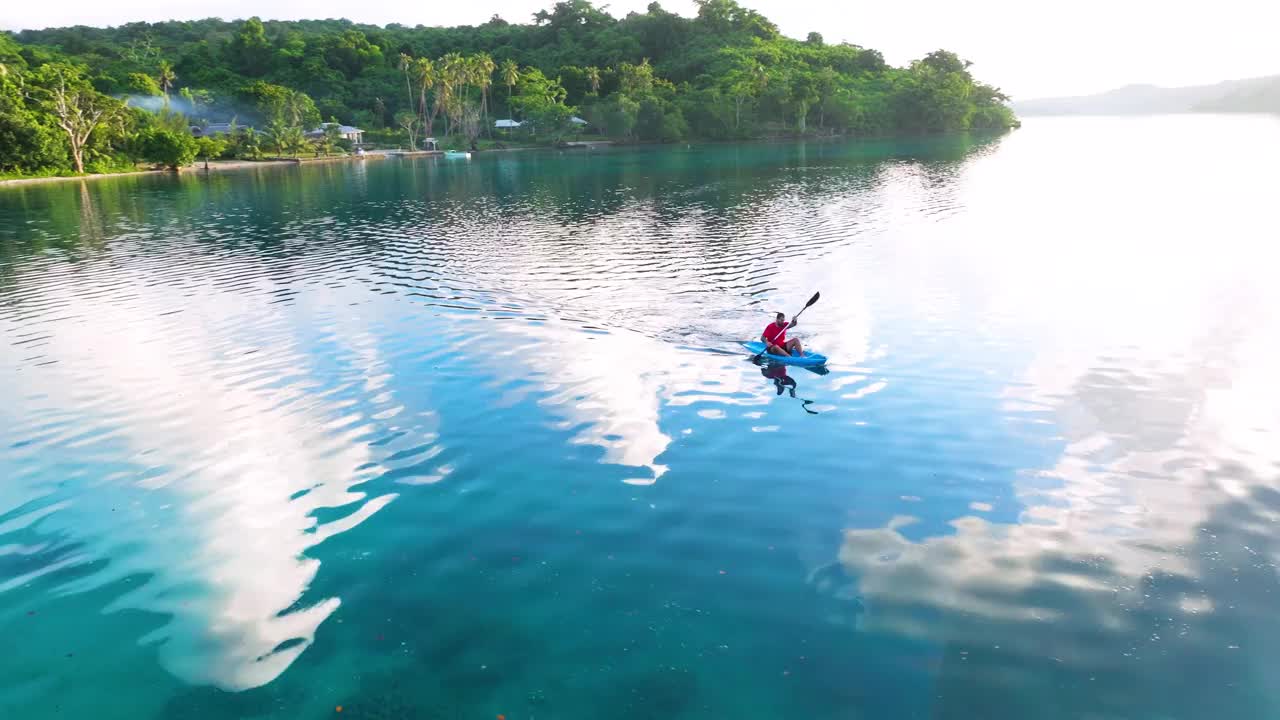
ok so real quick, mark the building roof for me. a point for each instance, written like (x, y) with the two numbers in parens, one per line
(506, 124)
(578, 121)
(344, 129)
(218, 128)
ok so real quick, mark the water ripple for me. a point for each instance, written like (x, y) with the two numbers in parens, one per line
(421, 419)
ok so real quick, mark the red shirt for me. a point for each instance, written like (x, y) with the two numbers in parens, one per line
(775, 334)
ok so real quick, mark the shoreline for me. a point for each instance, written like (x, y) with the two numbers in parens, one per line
(87, 176)
(197, 167)
(229, 165)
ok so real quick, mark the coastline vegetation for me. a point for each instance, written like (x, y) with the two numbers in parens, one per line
(90, 100)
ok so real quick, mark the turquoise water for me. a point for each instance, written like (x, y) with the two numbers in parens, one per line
(469, 439)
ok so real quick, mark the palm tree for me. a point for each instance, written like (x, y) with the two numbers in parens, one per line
(424, 71)
(593, 78)
(249, 143)
(406, 62)
(453, 87)
(166, 76)
(295, 141)
(510, 74)
(278, 135)
(444, 96)
(482, 67)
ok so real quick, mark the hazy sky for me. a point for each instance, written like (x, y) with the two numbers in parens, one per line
(1028, 48)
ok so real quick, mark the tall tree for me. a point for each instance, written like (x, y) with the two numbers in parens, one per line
(469, 122)
(249, 51)
(143, 84)
(424, 72)
(802, 92)
(740, 89)
(745, 84)
(350, 53)
(409, 123)
(636, 78)
(482, 67)
(827, 80)
(165, 77)
(277, 103)
(593, 79)
(759, 78)
(510, 74)
(406, 63)
(77, 108)
(454, 73)
(28, 142)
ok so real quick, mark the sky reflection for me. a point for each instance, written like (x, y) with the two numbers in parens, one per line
(193, 465)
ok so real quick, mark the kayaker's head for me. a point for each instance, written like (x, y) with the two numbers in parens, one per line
(781, 319)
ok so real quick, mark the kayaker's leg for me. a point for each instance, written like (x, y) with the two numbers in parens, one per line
(776, 350)
(794, 346)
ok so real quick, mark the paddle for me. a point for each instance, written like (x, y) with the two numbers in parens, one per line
(807, 305)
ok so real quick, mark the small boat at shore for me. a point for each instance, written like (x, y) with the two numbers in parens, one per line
(457, 154)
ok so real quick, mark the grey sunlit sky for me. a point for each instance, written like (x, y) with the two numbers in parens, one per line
(1030, 49)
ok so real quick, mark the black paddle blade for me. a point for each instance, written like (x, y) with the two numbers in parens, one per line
(813, 299)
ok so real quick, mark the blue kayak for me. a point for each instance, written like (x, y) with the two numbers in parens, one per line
(808, 359)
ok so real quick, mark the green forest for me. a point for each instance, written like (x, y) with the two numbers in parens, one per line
(81, 99)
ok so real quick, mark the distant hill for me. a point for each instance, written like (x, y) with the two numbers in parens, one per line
(1252, 95)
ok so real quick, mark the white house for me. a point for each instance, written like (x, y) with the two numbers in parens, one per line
(506, 124)
(346, 132)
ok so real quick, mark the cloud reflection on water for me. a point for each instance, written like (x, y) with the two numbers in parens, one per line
(1140, 566)
(1138, 554)
(227, 465)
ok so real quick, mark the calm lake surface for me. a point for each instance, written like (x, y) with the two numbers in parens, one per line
(473, 439)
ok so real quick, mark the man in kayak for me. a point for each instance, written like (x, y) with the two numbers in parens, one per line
(775, 338)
